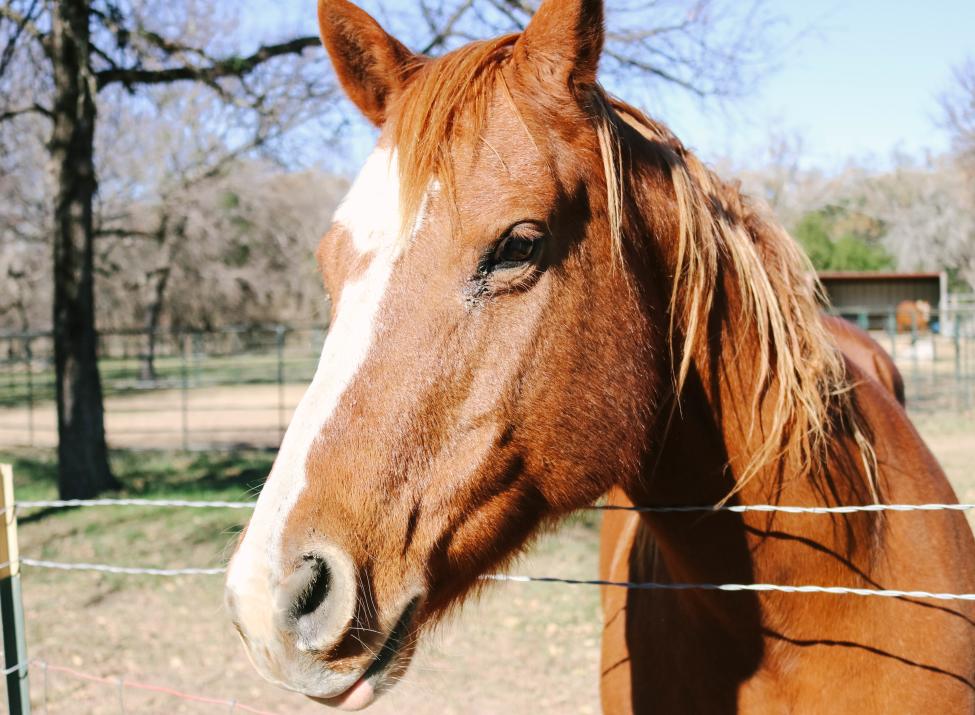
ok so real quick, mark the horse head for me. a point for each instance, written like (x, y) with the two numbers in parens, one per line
(490, 363)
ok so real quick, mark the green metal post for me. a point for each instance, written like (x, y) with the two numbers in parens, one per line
(960, 387)
(11, 603)
(184, 393)
(892, 332)
(280, 347)
(29, 356)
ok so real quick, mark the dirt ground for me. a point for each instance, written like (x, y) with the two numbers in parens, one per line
(519, 648)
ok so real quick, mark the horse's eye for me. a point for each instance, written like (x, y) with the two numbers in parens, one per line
(518, 246)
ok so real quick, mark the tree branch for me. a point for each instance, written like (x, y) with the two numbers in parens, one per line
(216, 69)
(656, 71)
(447, 30)
(24, 23)
(125, 233)
(32, 109)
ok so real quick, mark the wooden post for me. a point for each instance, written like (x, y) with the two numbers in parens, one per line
(11, 603)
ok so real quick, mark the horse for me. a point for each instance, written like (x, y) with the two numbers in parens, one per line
(857, 345)
(541, 297)
(913, 316)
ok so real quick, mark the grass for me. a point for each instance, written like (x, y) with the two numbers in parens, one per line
(121, 376)
(158, 537)
(160, 474)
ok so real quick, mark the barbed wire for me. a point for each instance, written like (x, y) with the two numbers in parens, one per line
(122, 683)
(738, 509)
(168, 503)
(640, 586)
(123, 570)
(787, 509)
(759, 587)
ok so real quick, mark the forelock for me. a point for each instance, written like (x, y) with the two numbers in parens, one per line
(445, 105)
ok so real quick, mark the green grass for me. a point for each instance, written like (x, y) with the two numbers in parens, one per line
(159, 537)
(121, 376)
(225, 476)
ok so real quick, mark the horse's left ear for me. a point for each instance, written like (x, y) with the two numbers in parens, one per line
(372, 65)
(563, 42)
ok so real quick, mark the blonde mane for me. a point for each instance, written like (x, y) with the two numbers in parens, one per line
(721, 232)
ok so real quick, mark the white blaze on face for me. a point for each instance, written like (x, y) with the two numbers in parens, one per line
(370, 214)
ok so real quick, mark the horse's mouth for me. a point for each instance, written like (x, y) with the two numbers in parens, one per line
(374, 681)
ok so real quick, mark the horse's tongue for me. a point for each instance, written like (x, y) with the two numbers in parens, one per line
(360, 695)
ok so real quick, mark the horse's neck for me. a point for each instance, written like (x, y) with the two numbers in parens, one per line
(703, 443)
(698, 444)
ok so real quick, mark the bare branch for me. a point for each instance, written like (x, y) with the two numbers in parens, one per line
(445, 32)
(32, 109)
(24, 23)
(643, 65)
(216, 69)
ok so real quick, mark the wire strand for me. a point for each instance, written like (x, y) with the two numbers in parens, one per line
(642, 586)
(835, 590)
(740, 509)
(122, 683)
(124, 570)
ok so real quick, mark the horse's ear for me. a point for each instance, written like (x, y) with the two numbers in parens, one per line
(371, 64)
(563, 42)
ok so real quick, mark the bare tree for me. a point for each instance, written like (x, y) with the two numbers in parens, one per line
(66, 53)
(705, 47)
(958, 110)
(173, 175)
(927, 213)
(25, 302)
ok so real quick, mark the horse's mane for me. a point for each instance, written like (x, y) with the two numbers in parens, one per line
(722, 233)
(803, 373)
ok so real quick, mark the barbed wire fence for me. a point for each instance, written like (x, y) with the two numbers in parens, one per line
(16, 674)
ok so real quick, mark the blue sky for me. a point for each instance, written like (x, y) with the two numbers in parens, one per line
(861, 81)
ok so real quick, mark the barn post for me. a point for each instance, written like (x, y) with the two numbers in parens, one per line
(11, 603)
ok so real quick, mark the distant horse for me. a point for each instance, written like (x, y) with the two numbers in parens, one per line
(541, 296)
(857, 345)
(913, 316)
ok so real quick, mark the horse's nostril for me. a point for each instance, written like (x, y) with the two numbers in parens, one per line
(322, 597)
(313, 605)
(316, 589)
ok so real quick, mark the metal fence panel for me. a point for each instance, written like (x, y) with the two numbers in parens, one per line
(237, 387)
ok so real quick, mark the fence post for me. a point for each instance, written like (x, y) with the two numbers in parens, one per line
(280, 338)
(29, 356)
(892, 332)
(11, 604)
(185, 391)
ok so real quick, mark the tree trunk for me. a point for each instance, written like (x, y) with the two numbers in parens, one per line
(153, 316)
(83, 470)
